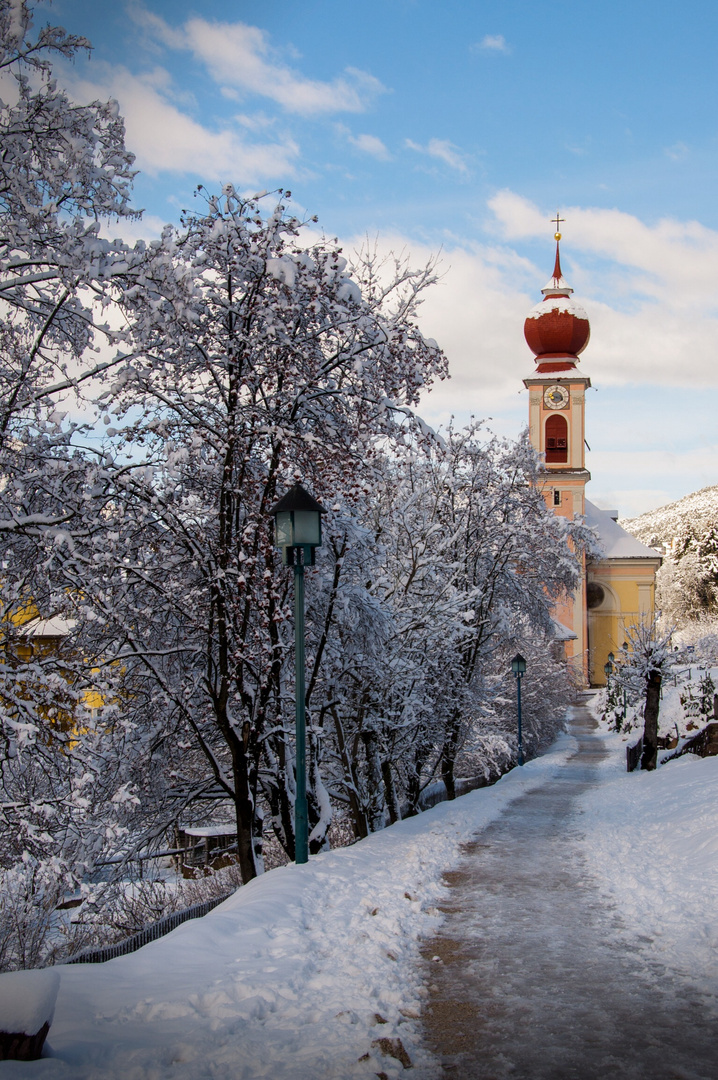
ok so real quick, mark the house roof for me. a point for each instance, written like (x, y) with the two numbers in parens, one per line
(562, 633)
(615, 541)
(54, 627)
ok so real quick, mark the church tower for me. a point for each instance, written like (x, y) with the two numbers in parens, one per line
(557, 331)
(616, 591)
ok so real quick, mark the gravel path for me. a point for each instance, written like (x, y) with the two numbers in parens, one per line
(528, 978)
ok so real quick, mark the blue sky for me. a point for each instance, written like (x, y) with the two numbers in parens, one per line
(460, 128)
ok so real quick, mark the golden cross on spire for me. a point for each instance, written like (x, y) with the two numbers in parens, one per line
(557, 221)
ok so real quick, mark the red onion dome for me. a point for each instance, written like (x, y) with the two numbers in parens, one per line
(557, 329)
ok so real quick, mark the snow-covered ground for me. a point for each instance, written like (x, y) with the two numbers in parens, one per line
(294, 976)
(305, 970)
(651, 839)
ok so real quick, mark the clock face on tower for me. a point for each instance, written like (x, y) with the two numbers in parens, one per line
(555, 397)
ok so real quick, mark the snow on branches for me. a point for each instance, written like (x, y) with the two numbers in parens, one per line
(257, 357)
(241, 352)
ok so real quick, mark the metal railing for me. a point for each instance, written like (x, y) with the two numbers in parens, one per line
(150, 933)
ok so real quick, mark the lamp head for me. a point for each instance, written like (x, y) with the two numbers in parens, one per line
(297, 526)
(518, 665)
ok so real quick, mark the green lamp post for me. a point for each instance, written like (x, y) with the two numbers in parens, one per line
(297, 532)
(518, 666)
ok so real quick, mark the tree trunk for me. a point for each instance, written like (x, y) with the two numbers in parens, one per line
(448, 756)
(375, 793)
(392, 801)
(318, 802)
(413, 781)
(650, 720)
(360, 825)
(244, 805)
(278, 788)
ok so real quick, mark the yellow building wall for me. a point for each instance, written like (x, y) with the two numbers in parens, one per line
(629, 600)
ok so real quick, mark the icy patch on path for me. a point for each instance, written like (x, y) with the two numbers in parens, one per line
(297, 975)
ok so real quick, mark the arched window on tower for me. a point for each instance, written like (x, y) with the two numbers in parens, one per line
(556, 439)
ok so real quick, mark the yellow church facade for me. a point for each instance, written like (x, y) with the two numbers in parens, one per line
(617, 588)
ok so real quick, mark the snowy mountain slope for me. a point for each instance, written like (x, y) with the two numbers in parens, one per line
(658, 527)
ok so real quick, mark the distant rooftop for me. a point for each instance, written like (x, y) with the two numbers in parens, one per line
(615, 541)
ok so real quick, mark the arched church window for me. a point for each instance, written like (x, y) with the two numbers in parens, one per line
(556, 439)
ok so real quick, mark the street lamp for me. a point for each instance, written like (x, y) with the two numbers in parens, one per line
(518, 666)
(297, 532)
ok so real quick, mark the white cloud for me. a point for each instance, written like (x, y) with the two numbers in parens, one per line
(441, 149)
(492, 43)
(166, 139)
(240, 56)
(649, 291)
(670, 267)
(370, 144)
(677, 152)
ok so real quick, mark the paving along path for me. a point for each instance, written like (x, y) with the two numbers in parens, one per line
(532, 982)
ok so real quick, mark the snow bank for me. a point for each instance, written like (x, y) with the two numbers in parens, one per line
(27, 1000)
(299, 974)
(652, 843)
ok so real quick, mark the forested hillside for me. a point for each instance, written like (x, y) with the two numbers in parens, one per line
(686, 533)
(659, 528)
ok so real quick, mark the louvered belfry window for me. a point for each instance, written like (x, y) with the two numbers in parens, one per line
(556, 439)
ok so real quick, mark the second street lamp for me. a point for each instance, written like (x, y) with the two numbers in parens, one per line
(518, 666)
(297, 532)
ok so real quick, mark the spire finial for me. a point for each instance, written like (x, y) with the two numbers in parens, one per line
(557, 236)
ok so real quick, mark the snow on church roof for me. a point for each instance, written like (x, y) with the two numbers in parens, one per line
(615, 541)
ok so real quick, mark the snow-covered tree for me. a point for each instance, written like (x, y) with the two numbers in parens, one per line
(259, 357)
(63, 168)
(647, 658)
(250, 354)
(482, 561)
(687, 584)
(458, 562)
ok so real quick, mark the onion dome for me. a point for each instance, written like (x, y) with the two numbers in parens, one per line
(557, 330)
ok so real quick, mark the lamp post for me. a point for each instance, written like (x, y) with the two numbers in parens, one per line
(297, 532)
(518, 666)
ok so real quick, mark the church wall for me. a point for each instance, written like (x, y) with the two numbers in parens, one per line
(629, 587)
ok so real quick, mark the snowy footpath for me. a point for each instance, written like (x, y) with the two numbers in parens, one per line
(317, 971)
(580, 936)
